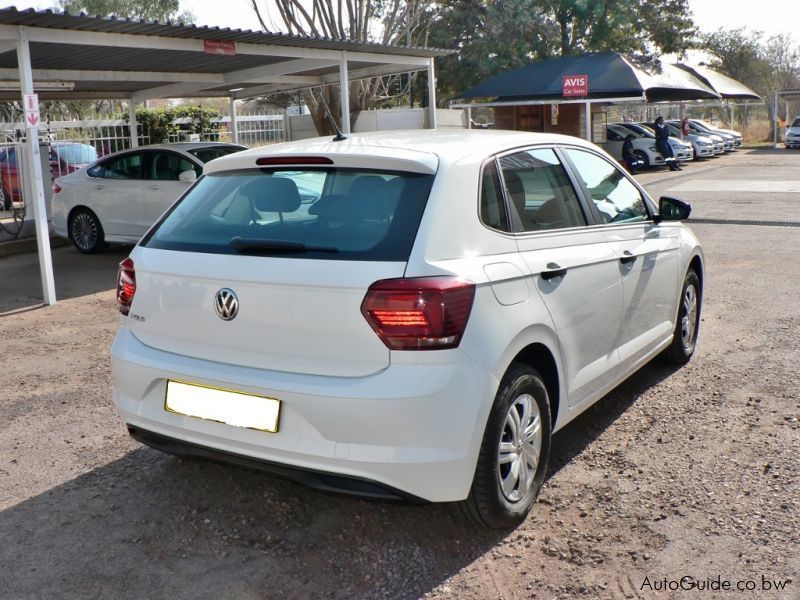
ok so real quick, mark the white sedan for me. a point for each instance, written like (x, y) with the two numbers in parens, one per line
(117, 198)
(419, 328)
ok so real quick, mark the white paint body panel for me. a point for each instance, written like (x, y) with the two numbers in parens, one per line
(408, 419)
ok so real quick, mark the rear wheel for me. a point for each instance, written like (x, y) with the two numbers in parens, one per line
(642, 156)
(687, 324)
(513, 458)
(86, 232)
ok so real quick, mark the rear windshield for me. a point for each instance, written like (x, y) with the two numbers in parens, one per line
(208, 154)
(333, 214)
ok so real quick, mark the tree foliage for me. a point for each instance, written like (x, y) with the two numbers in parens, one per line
(766, 66)
(157, 123)
(384, 21)
(491, 37)
(146, 10)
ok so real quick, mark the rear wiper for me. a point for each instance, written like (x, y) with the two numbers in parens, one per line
(259, 246)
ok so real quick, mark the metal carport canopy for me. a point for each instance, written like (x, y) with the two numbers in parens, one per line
(70, 57)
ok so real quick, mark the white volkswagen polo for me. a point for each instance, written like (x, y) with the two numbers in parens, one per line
(417, 326)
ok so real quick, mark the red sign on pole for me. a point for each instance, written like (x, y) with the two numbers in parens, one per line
(224, 47)
(575, 85)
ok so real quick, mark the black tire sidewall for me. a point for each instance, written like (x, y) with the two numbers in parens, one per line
(643, 157)
(495, 510)
(676, 352)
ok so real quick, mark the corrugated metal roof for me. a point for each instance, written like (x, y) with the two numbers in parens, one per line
(54, 20)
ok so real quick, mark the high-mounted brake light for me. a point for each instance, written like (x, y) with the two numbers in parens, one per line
(56, 188)
(423, 313)
(268, 161)
(126, 285)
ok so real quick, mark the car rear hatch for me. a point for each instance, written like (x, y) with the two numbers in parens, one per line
(268, 267)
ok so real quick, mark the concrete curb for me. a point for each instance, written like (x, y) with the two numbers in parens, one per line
(28, 245)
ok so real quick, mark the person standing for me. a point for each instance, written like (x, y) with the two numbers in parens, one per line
(631, 160)
(684, 127)
(663, 146)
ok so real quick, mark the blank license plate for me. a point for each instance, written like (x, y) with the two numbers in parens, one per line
(224, 406)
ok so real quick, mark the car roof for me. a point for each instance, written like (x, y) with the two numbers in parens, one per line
(427, 147)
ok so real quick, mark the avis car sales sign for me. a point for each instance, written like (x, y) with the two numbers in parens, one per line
(575, 85)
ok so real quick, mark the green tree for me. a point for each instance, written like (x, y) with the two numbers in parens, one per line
(146, 10)
(766, 66)
(491, 37)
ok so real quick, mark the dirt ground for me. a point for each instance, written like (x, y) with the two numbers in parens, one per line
(688, 473)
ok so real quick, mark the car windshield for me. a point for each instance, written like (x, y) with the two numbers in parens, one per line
(208, 154)
(642, 130)
(344, 214)
(75, 154)
(796, 122)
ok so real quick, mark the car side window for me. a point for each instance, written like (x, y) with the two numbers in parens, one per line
(493, 210)
(616, 198)
(167, 166)
(541, 194)
(127, 166)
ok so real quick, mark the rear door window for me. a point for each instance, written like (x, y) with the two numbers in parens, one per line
(540, 191)
(127, 166)
(333, 214)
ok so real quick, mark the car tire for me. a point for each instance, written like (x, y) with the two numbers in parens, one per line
(86, 232)
(498, 498)
(644, 158)
(687, 325)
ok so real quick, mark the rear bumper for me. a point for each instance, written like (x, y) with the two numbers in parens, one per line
(326, 482)
(415, 429)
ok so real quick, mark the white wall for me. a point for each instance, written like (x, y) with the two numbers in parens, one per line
(302, 127)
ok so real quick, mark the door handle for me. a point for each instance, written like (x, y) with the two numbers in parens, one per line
(627, 258)
(553, 270)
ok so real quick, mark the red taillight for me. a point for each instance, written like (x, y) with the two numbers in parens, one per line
(56, 188)
(126, 285)
(424, 313)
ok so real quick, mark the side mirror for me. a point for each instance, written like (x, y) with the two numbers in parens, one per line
(188, 176)
(672, 209)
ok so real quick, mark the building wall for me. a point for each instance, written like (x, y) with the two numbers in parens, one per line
(571, 119)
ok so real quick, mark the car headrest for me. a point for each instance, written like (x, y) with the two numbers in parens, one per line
(368, 187)
(515, 189)
(271, 193)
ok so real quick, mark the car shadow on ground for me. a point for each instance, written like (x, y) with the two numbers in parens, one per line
(75, 275)
(574, 438)
(152, 524)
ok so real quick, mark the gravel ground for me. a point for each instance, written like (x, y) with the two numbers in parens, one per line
(689, 472)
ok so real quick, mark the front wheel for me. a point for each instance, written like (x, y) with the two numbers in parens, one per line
(687, 325)
(86, 232)
(513, 458)
(642, 156)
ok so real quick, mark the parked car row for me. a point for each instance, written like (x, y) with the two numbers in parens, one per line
(702, 141)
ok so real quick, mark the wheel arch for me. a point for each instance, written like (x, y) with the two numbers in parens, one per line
(538, 356)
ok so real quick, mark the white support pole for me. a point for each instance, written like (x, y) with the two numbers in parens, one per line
(432, 94)
(469, 118)
(775, 121)
(234, 123)
(344, 82)
(132, 124)
(588, 121)
(33, 174)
